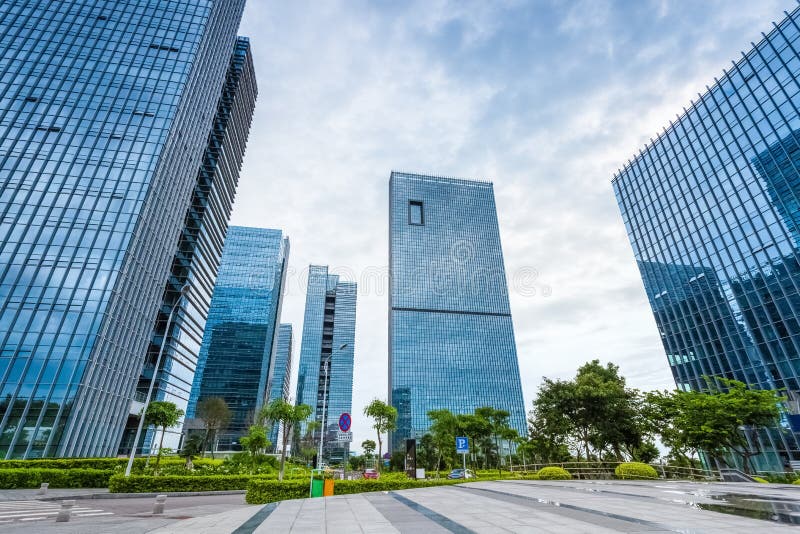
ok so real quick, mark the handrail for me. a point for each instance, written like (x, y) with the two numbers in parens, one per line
(604, 470)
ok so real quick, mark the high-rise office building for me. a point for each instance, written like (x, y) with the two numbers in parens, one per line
(105, 113)
(280, 377)
(325, 377)
(451, 338)
(711, 209)
(241, 334)
(198, 254)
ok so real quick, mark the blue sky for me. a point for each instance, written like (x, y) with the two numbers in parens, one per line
(545, 98)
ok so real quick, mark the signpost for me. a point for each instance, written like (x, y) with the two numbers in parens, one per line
(462, 448)
(344, 422)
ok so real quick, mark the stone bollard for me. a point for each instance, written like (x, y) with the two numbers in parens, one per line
(158, 507)
(65, 512)
(43, 488)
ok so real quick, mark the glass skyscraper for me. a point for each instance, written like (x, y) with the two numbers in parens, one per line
(451, 338)
(199, 250)
(712, 209)
(241, 334)
(105, 113)
(329, 329)
(280, 376)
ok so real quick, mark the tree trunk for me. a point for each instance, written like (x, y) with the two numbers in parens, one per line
(283, 453)
(160, 446)
(380, 453)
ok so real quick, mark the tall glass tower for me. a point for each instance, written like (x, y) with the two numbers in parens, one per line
(105, 113)
(451, 339)
(325, 378)
(241, 334)
(199, 250)
(712, 209)
(280, 376)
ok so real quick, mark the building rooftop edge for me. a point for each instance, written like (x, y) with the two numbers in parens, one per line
(709, 88)
(437, 178)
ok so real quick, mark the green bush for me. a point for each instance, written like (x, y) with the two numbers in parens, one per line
(635, 471)
(101, 463)
(760, 480)
(262, 491)
(56, 478)
(553, 473)
(152, 484)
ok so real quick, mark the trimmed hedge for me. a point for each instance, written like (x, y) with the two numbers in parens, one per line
(56, 478)
(99, 463)
(260, 491)
(553, 473)
(635, 471)
(152, 484)
(760, 480)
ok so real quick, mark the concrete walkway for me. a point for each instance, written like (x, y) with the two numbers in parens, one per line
(524, 506)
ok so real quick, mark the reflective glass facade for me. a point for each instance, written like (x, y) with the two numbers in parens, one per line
(105, 110)
(280, 376)
(451, 338)
(329, 329)
(198, 253)
(712, 209)
(241, 332)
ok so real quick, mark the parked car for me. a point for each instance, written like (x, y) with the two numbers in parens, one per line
(461, 473)
(371, 473)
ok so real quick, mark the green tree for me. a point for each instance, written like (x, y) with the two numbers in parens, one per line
(192, 447)
(497, 424)
(216, 415)
(255, 443)
(368, 446)
(443, 429)
(162, 414)
(384, 419)
(725, 417)
(281, 411)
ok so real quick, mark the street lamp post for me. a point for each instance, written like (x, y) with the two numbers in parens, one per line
(184, 292)
(325, 408)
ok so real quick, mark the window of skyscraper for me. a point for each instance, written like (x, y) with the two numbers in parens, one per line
(416, 215)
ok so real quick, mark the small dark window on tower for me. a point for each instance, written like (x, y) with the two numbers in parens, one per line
(416, 213)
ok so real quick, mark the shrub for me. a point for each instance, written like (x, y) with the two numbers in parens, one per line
(261, 491)
(760, 480)
(635, 471)
(167, 483)
(100, 463)
(56, 478)
(553, 473)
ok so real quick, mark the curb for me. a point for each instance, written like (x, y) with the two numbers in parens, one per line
(143, 495)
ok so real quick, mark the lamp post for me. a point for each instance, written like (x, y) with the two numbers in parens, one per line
(325, 407)
(184, 292)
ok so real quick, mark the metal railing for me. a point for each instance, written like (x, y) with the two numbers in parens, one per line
(605, 470)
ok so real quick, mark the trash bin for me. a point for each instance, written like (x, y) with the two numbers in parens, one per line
(316, 487)
(327, 489)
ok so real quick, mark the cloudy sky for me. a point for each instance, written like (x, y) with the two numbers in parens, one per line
(545, 98)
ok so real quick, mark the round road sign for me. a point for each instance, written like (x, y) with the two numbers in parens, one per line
(344, 422)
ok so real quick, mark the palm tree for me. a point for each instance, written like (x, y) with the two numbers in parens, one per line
(280, 411)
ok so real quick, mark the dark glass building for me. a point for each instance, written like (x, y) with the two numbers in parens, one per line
(241, 334)
(280, 376)
(327, 349)
(712, 211)
(105, 113)
(451, 338)
(199, 250)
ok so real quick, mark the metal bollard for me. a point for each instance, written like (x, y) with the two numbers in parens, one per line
(65, 512)
(43, 488)
(158, 507)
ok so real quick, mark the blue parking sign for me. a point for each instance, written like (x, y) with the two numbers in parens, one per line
(462, 445)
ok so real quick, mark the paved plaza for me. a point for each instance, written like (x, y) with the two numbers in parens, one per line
(483, 507)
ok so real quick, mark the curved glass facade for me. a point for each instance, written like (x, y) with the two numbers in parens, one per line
(712, 209)
(241, 332)
(198, 253)
(105, 109)
(451, 337)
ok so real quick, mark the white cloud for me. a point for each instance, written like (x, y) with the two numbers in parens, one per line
(525, 95)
